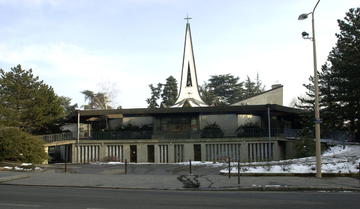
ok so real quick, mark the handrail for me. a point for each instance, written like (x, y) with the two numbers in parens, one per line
(212, 133)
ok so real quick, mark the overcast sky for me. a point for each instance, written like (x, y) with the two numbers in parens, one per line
(74, 45)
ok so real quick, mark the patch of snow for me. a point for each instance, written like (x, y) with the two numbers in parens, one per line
(275, 185)
(26, 164)
(334, 160)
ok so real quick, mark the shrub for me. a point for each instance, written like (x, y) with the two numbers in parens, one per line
(250, 129)
(306, 147)
(212, 131)
(267, 166)
(285, 165)
(16, 145)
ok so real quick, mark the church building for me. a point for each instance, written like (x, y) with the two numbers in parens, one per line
(254, 129)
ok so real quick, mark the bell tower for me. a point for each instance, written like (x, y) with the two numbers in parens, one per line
(189, 95)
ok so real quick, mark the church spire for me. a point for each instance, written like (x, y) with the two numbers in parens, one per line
(189, 90)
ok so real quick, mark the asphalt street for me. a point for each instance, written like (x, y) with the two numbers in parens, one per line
(12, 196)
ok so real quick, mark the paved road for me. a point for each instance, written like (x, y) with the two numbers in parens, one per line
(65, 197)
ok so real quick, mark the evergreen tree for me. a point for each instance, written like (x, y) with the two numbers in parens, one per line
(170, 91)
(206, 94)
(345, 62)
(155, 95)
(329, 107)
(253, 88)
(339, 81)
(259, 86)
(66, 104)
(307, 103)
(27, 103)
(249, 90)
(226, 88)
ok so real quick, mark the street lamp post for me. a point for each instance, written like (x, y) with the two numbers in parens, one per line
(317, 120)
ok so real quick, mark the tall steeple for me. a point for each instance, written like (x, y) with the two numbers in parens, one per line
(189, 95)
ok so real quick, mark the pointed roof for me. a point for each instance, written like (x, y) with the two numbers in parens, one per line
(189, 90)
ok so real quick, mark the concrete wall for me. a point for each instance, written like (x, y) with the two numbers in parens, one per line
(273, 96)
(73, 127)
(115, 123)
(243, 149)
(139, 121)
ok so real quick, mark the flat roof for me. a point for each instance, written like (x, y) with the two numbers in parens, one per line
(86, 115)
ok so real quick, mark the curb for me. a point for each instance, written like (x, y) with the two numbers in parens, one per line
(354, 175)
(212, 189)
(11, 178)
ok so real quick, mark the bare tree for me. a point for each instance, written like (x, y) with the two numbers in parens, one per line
(110, 91)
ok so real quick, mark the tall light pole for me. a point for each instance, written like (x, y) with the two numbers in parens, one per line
(317, 120)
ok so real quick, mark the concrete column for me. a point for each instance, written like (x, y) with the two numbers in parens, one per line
(188, 152)
(126, 149)
(171, 153)
(203, 152)
(157, 153)
(161, 153)
(289, 153)
(47, 154)
(244, 152)
(73, 153)
(142, 153)
(276, 151)
(86, 156)
(102, 151)
(166, 148)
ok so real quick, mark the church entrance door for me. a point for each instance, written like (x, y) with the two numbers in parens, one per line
(197, 152)
(133, 154)
(151, 155)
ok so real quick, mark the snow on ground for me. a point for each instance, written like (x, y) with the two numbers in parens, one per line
(23, 167)
(334, 160)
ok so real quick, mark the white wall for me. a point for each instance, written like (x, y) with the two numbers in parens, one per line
(138, 121)
(73, 127)
(273, 96)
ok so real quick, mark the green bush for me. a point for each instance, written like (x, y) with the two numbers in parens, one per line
(306, 147)
(16, 145)
(212, 131)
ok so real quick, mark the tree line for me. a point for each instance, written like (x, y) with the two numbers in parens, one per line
(29, 107)
(339, 82)
(220, 90)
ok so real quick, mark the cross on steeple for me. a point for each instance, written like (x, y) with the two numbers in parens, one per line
(187, 18)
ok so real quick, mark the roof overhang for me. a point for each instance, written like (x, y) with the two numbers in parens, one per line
(89, 115)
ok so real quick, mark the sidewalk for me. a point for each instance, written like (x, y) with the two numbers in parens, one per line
(114, 177)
